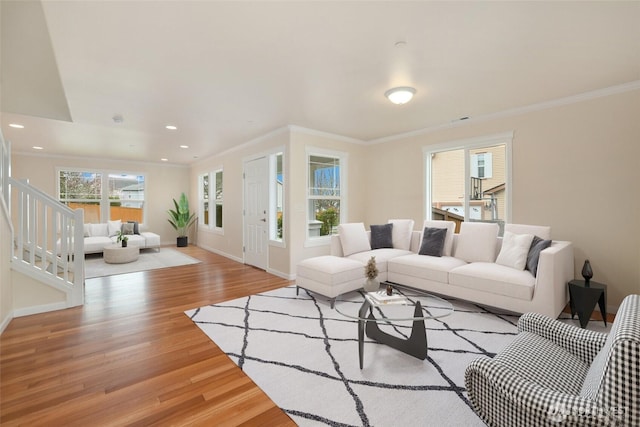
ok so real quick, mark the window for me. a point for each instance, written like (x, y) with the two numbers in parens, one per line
(276, 202)
(326, 193)
(208, 217)
(123, 199)
(470, 180)
(203, 198)
(219, 199)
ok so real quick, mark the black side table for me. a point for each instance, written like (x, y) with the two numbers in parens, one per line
(583, 299)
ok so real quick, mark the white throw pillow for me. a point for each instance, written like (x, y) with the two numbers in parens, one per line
(114, 227)
(515, 248)
(542, 231)
(98, 230)
(401, 233)
(477, 242)
(87, 230)
(451, 229)
(354, 238)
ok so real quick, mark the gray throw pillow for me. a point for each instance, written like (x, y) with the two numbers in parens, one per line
(433, 241)
(127, 228)
(537, 246)
(381, 236)
(136, 229)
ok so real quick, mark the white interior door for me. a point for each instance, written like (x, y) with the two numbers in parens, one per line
(256, 201)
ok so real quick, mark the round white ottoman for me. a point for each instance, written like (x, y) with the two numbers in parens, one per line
(115, 254)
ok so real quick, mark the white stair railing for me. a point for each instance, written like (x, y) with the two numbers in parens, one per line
(47, 237)
(49, 241)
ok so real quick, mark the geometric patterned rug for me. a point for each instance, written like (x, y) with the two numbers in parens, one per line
(304, 355)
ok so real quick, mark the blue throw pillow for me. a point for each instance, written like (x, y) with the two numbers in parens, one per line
(381, 236)
(433, 241)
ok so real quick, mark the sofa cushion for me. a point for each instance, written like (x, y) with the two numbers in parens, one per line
(99, 230)
(114, 227)
(477, 242)
(401, 233)
(424, 266)
(542, 231)
(353, 238)
(381, 236)
(494, 278)
(433, 241)
(515, 249)
(451, 229)
(93, 244)
(136, 227)
(331, 270)
(541, 361)
(382, 257)
(537, 246)
(87, 230)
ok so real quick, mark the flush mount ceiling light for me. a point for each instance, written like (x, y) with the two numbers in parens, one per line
(171, 127)
(184, 146)
(15, 125)
(400, 95)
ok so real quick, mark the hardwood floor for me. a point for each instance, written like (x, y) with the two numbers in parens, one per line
(130, 356)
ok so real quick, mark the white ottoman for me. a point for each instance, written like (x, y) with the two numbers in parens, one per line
(330, 275)
(116, 254)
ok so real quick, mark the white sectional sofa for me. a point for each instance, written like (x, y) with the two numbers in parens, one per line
(472, 266)
(97, 236)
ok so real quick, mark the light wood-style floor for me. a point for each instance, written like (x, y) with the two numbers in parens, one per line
(131, 357)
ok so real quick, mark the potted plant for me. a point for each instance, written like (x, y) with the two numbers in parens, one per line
(371, 273)
(122, 238)
(181, 219)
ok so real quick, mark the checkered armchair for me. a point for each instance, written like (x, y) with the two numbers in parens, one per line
(555, 374)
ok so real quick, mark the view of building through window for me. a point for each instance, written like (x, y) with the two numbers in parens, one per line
(324, 195)
(123, 199)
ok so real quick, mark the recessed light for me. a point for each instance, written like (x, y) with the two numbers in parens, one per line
(171, 127)
(164, 160)
(15, 125)
(184, 146)
(35, 147)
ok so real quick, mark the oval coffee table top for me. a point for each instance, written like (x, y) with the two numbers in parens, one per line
(400, 306)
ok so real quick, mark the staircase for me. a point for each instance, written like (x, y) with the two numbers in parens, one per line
(47, 238)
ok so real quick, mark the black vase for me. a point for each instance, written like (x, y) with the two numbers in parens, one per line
(124, 243)
(587, 273)
(183, 241)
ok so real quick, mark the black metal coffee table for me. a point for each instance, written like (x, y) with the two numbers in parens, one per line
(406, 304)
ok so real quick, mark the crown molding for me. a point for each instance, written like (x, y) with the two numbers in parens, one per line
(98, 159)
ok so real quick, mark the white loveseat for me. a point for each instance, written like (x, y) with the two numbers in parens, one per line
(97, 236)
(467, 268)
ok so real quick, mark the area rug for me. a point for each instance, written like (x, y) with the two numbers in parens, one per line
(304, 355)
(149, 259)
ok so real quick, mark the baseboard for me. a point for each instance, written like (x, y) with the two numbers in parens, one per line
(281, 274)
(37, 309)
(224, 254)
(5, 322)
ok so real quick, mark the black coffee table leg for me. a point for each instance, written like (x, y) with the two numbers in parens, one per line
(415, 345)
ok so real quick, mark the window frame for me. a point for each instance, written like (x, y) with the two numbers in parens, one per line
(343, 158)
(213, 201)
(469, 144)
(274, 240)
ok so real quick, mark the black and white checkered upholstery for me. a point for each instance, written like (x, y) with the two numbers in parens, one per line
(540, 378)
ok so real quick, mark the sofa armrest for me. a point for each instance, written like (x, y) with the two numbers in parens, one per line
(582, 343)
(336, 246)
(501, 397)
(555, 270)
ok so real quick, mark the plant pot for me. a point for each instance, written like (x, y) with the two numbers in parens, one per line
(124, 243)
(371, 285)
(183, 241)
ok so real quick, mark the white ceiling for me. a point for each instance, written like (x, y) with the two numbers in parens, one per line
(228, 72)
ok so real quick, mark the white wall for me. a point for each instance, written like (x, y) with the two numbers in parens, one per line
(575, 167)
(163, 183)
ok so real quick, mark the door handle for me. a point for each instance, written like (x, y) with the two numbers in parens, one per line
(263, 220)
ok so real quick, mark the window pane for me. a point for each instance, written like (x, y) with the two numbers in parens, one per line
(219, 215)
(91, 210)
(324, 176)
(80, 185)
(447, 185)
(488, 189)
(219, 198)
(326, 217)
(218, 185)
(279, 178)
(126, 197)
(204, 206)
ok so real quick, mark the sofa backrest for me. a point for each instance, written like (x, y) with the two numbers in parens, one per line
(612, 380)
